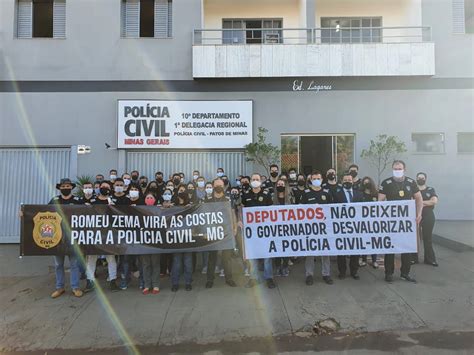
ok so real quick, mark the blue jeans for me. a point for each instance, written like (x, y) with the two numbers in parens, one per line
(59, 270)
(205, 258)
(267, 269)
(178, 259)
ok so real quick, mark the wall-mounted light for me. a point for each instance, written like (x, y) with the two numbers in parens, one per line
(83, 149)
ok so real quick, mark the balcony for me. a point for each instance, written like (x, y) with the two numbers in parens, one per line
(311, 52)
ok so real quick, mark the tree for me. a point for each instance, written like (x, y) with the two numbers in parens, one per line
(262, 153)
(382, 152)
(80, 180)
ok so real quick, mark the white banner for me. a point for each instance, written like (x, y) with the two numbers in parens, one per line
(184, 124)
(333, 229)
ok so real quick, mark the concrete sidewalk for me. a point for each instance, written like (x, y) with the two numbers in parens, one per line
(31, 320)
(455, 235)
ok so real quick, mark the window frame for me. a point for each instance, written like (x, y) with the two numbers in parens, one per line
(329, 40)
(414, 152)
(264, 30)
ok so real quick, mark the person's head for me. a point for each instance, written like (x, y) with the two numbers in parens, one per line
(167, 195)
(127, 179)
(263, 178)
(368, 185)
(292, 174)
(234, 192)
(237, 180)
(331, 174)
(280, 185)
(105, 188)
(301, 180)
(421, 179)
(135, 174)
(353, 170)
(274, 170)
(218, 186)
(159, 176)
(134, 191)
(170, 185)
(316, 179)
(150, 199)
(87, 188)
(119, 186)
(181, 177)
(99, 177)
(256, 181)
(182, 191)
(347, 180)
(398, 169)
(225, 179)
(190, 187)
(113, 174)
(152, 187)
(283, 176)
(65, 186)
(220, 172)
(196, 175)
(245, 182)
(176, 179)
(200, 182)
(209, 188)
(143, 181)
(97, 187)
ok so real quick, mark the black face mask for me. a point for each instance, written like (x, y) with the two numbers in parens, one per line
(153, 189)
(235, 195)
(347, 185)
(135, 177)
(420, 182)
(159, 179)
(366, 185)
(176, 181)
(301, 183)
(353, 173)
(182, 194)
(143, 184)
(219, 189)
(331, 176)
(226, 182)
(104, 191)
(281, 188)
(245, 185)
(66, 191)
(273, 174)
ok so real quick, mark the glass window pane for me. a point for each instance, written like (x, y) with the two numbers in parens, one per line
(344, 152)
(366, 22)
(325, 22)
(466, 142)
(355, 23)
(289, 153)
(428, 142)
(376, 22)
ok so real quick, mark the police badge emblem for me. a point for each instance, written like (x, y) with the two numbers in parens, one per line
(47, 231)
(401, 193)
(323, 198)
(260, 198)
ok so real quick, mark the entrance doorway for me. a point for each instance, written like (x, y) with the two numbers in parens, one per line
(309, 152)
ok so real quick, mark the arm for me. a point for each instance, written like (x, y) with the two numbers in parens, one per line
(419, 206)
(431, 202)
(382, 197)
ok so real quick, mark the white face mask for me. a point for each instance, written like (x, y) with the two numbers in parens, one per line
(293, 176)
(237, 182)
(316, 182)
(167, 197)
(113, 177)
(209, 190)
(398, 173)
(88, 191)
(195, 177)
(118, 189)
(255, 184)
(134, 193)
(201, 184)
(220, 174)
(126, 182)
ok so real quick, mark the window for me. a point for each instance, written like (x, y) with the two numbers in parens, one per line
(253, 31)
(428, 143)
(463, 16)
(41, 19)
(351, 29)
(146, 18)
(466, 142)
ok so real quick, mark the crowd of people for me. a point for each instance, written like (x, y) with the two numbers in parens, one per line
(280, 188)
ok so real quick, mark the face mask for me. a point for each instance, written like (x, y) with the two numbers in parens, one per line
(167, 197)
(104, 191)
(182, 194)
(134, 193)
(134, 177)
(181, 180)
(331, 176)
(153, 188)
(281, 188)
(88, 191)
(255, 184)
(113, 177)
(195, 177)
(150, 201)
(201, 184)
(97, 191)
(245, 185)
(353, 173)
(219, 174)
(65, 192)
(159, 179)
(273, 174)
(176, 181)
(301, 182)
(143, 184)
(347, 185)
(226, 182)
(126, 182)
(209, 190)
(237, 182)
(420, 182)
(219, 189)
(316, 182)
(118, 189)
(366, 185)
(293, 176)
(398, 173)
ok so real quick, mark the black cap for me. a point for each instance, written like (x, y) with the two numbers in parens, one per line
(65, 181)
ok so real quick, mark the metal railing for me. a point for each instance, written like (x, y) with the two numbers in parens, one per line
(333, 35)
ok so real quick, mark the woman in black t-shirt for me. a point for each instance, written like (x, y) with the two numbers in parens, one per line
(370, 194)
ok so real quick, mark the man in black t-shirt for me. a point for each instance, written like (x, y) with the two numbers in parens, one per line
(398, 188)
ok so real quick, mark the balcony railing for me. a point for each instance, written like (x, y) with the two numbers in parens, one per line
(340, 35)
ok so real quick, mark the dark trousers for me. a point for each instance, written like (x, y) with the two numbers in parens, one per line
(226, 263)
(353, 264)
(166, 263)
(282, 262)
(389, 261)
(427, 225)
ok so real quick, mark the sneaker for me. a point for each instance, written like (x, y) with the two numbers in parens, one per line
(408, 278)
(188, 287)
(251, 283)
(271, 283)
(209, 284)
(290, 263)
(246, 272)
(141, 286)
(156, 290)
(222, 274)
(328, 280)
(389, 278)
(204, 270)
(113, 286)
(58, 293)
(309, 280)
(355, 276)
(174, 288)
(279, 273)
(362, 263)
(89, 286)
(77, 292)
(123, 284)
(434, 263)
(231, 283)
(146, 291)
(217, 270)
(375, 265)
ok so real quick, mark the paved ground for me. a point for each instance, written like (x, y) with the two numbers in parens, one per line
(456, 234)
(436, 315)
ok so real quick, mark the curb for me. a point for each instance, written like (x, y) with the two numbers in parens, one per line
(451, 244)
